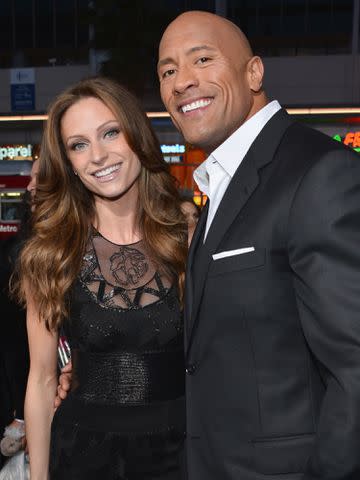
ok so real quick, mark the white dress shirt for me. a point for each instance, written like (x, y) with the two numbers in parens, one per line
(215, 173)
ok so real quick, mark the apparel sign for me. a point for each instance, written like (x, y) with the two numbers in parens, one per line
(16, 152)
(22, 88)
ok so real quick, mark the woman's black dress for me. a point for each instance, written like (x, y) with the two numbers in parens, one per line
(124, 417)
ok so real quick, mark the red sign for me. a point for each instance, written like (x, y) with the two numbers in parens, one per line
(14, 178)
(8, 229)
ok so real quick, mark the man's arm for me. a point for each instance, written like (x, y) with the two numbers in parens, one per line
(64, 384)
(324, 250)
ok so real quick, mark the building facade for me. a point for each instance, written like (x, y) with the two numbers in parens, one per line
(310, 50)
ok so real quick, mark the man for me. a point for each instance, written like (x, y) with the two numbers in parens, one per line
(273, 278)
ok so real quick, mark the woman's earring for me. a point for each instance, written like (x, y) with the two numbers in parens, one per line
(75, 172)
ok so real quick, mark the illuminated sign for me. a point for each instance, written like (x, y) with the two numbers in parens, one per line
(22, 89)
(16, 152)
(173, 148)
(174, 158)
(8, 228)
(352, 139)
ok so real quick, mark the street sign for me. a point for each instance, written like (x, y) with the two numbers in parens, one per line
(22, 89)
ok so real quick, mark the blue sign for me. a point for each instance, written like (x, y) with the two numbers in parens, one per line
(173, 148)
(23, 97)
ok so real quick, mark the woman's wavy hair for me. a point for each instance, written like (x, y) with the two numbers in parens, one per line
(64, 209)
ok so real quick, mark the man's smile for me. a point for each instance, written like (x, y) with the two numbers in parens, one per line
(191, 106)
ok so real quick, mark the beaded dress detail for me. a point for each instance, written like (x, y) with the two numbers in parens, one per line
(127, 396)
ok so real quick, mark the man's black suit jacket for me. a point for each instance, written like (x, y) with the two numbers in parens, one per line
(273, 335)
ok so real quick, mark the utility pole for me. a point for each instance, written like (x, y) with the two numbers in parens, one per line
(355, 28)
(221, 7)
(355, 52)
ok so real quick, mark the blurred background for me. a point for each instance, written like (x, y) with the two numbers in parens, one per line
(310, 49)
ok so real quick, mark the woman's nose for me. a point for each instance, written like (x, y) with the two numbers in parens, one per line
(99, 152)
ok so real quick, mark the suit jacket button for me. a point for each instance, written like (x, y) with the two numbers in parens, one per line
(190, 369)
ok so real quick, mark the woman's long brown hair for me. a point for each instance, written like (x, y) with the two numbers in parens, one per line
(64, 209)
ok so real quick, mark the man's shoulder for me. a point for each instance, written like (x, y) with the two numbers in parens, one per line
(304, 149)
(304, 139)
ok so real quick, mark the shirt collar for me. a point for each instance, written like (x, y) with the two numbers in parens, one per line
(231, 152)
(201, 177)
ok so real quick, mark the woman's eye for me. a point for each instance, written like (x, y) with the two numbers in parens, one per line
(78, 146)
(112, 133)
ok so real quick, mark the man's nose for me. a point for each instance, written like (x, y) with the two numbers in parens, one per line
(185, 78)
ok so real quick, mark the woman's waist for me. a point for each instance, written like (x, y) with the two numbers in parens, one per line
(128, 378)
(123, 419)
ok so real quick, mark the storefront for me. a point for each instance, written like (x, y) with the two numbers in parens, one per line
(183, 160)
(342, 124)
(341, 127)
(14, 178)
(182, 157)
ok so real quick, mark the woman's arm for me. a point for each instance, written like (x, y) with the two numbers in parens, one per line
(40, 392)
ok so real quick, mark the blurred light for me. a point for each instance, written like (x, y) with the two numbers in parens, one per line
(22, 118)
(291, 111)
(323, 111)
(10, 194)
(199, 198)
(157, 114)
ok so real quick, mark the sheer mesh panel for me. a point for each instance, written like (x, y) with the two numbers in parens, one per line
(123, 276)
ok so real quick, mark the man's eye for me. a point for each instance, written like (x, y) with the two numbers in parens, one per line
(203, 60)
(169, 72)
(112, 133)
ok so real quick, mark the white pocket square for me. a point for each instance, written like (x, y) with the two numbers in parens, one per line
(231, 253)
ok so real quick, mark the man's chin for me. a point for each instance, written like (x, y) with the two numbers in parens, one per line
(201, 141)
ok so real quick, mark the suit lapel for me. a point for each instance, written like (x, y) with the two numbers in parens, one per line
(189, 287)
(240, 189)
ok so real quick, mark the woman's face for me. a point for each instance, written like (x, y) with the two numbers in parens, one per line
(96, 147)
(190, 211)
(31, 187)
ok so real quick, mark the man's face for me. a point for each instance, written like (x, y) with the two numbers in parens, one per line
(204, 80)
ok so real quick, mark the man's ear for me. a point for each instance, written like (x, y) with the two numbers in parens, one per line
(255, 68)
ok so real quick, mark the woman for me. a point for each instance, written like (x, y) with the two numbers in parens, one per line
(190, 210)
(105, 262)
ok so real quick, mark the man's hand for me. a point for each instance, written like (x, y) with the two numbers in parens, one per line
(64, 384)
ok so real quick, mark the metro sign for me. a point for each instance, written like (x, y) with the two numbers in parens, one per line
(8, 228)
